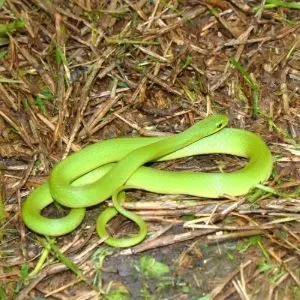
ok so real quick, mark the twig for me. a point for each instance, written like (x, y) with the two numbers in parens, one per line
(166, 240)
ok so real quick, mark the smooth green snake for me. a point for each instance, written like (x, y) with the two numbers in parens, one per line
(103, 170)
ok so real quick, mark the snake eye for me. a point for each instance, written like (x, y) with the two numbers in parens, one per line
(219, 125)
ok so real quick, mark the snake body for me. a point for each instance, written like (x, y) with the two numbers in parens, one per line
(104, 169)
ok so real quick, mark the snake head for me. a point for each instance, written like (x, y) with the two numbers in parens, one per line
(215, 123)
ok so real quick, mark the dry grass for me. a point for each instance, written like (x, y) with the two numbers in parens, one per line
(80, 71)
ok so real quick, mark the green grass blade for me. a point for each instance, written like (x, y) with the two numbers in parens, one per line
(67, 262)
(8, 80)
(251, 82)
(2, 212)
(270, 4)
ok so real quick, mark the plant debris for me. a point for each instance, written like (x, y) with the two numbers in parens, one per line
(73, 73)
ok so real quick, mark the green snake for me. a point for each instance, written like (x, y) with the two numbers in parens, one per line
(105, 169)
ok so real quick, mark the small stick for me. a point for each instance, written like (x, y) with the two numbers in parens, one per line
(7, 98)
(2, 210)
(287, 268)
(21, 227)
(164, 85)
(218, 289)
(221, 215)
(263, 39)
(140, 130)
(137, 9)
(25, 177)
(235, 235)
(74, 146)
(227, 227)
(167, 240)
(240, 290)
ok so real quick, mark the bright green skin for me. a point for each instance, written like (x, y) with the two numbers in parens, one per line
(102, 170)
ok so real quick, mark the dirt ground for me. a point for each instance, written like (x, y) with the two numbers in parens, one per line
(75, 72)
